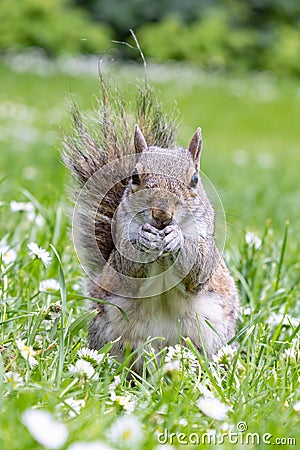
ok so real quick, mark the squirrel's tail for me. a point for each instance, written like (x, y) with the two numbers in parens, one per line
(97, 140)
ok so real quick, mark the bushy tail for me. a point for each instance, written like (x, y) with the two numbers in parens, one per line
(100, 138)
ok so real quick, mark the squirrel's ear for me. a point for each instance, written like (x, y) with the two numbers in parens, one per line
(139, 140)
(195, 147)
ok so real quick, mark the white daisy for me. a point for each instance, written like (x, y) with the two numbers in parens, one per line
(49, 285)
(212, 407)
(296, 407)
(116, 381)
(40, 253)
(224, 354)
(252, 240)
(179, 356)
(39, 220)
(123, 400)
(31, 216)
(8, 255)
(75, 406)
(183, 422)
(291, 354)
(21, 206)
(29, 209)
(128, 404)
(174, 366)
(246, 310)
(227, 427)
(126, 431)
(13, 378)
(172, 352)
(90, 355)
(27, 352)
(44, 429)
(82, 367)
(96, 445)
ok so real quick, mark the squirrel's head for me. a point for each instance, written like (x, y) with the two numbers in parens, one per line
(166, 179)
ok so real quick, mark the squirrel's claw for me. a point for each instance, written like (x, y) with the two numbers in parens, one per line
(149, 239)
(173, 239)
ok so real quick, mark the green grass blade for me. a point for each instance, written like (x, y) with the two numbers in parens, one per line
(282, 253)
(63, 294)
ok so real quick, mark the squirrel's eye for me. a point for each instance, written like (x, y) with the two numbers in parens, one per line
(135, 177)
(194, 180)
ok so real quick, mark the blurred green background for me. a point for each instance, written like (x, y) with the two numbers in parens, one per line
(211, 34)
(231, 67)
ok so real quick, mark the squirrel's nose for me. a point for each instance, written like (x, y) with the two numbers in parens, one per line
(162, 218)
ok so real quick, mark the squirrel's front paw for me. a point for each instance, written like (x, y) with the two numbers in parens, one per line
(173, 239)
(150, 238)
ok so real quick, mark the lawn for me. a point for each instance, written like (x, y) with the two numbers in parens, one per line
(54, 392)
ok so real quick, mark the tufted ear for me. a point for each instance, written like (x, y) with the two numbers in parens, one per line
(139, 140)
(195, 147)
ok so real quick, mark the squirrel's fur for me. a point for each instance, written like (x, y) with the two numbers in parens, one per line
(146, 241)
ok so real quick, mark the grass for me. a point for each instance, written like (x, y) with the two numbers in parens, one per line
(251, 136)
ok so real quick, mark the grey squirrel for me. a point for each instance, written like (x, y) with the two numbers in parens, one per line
(144, 230)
